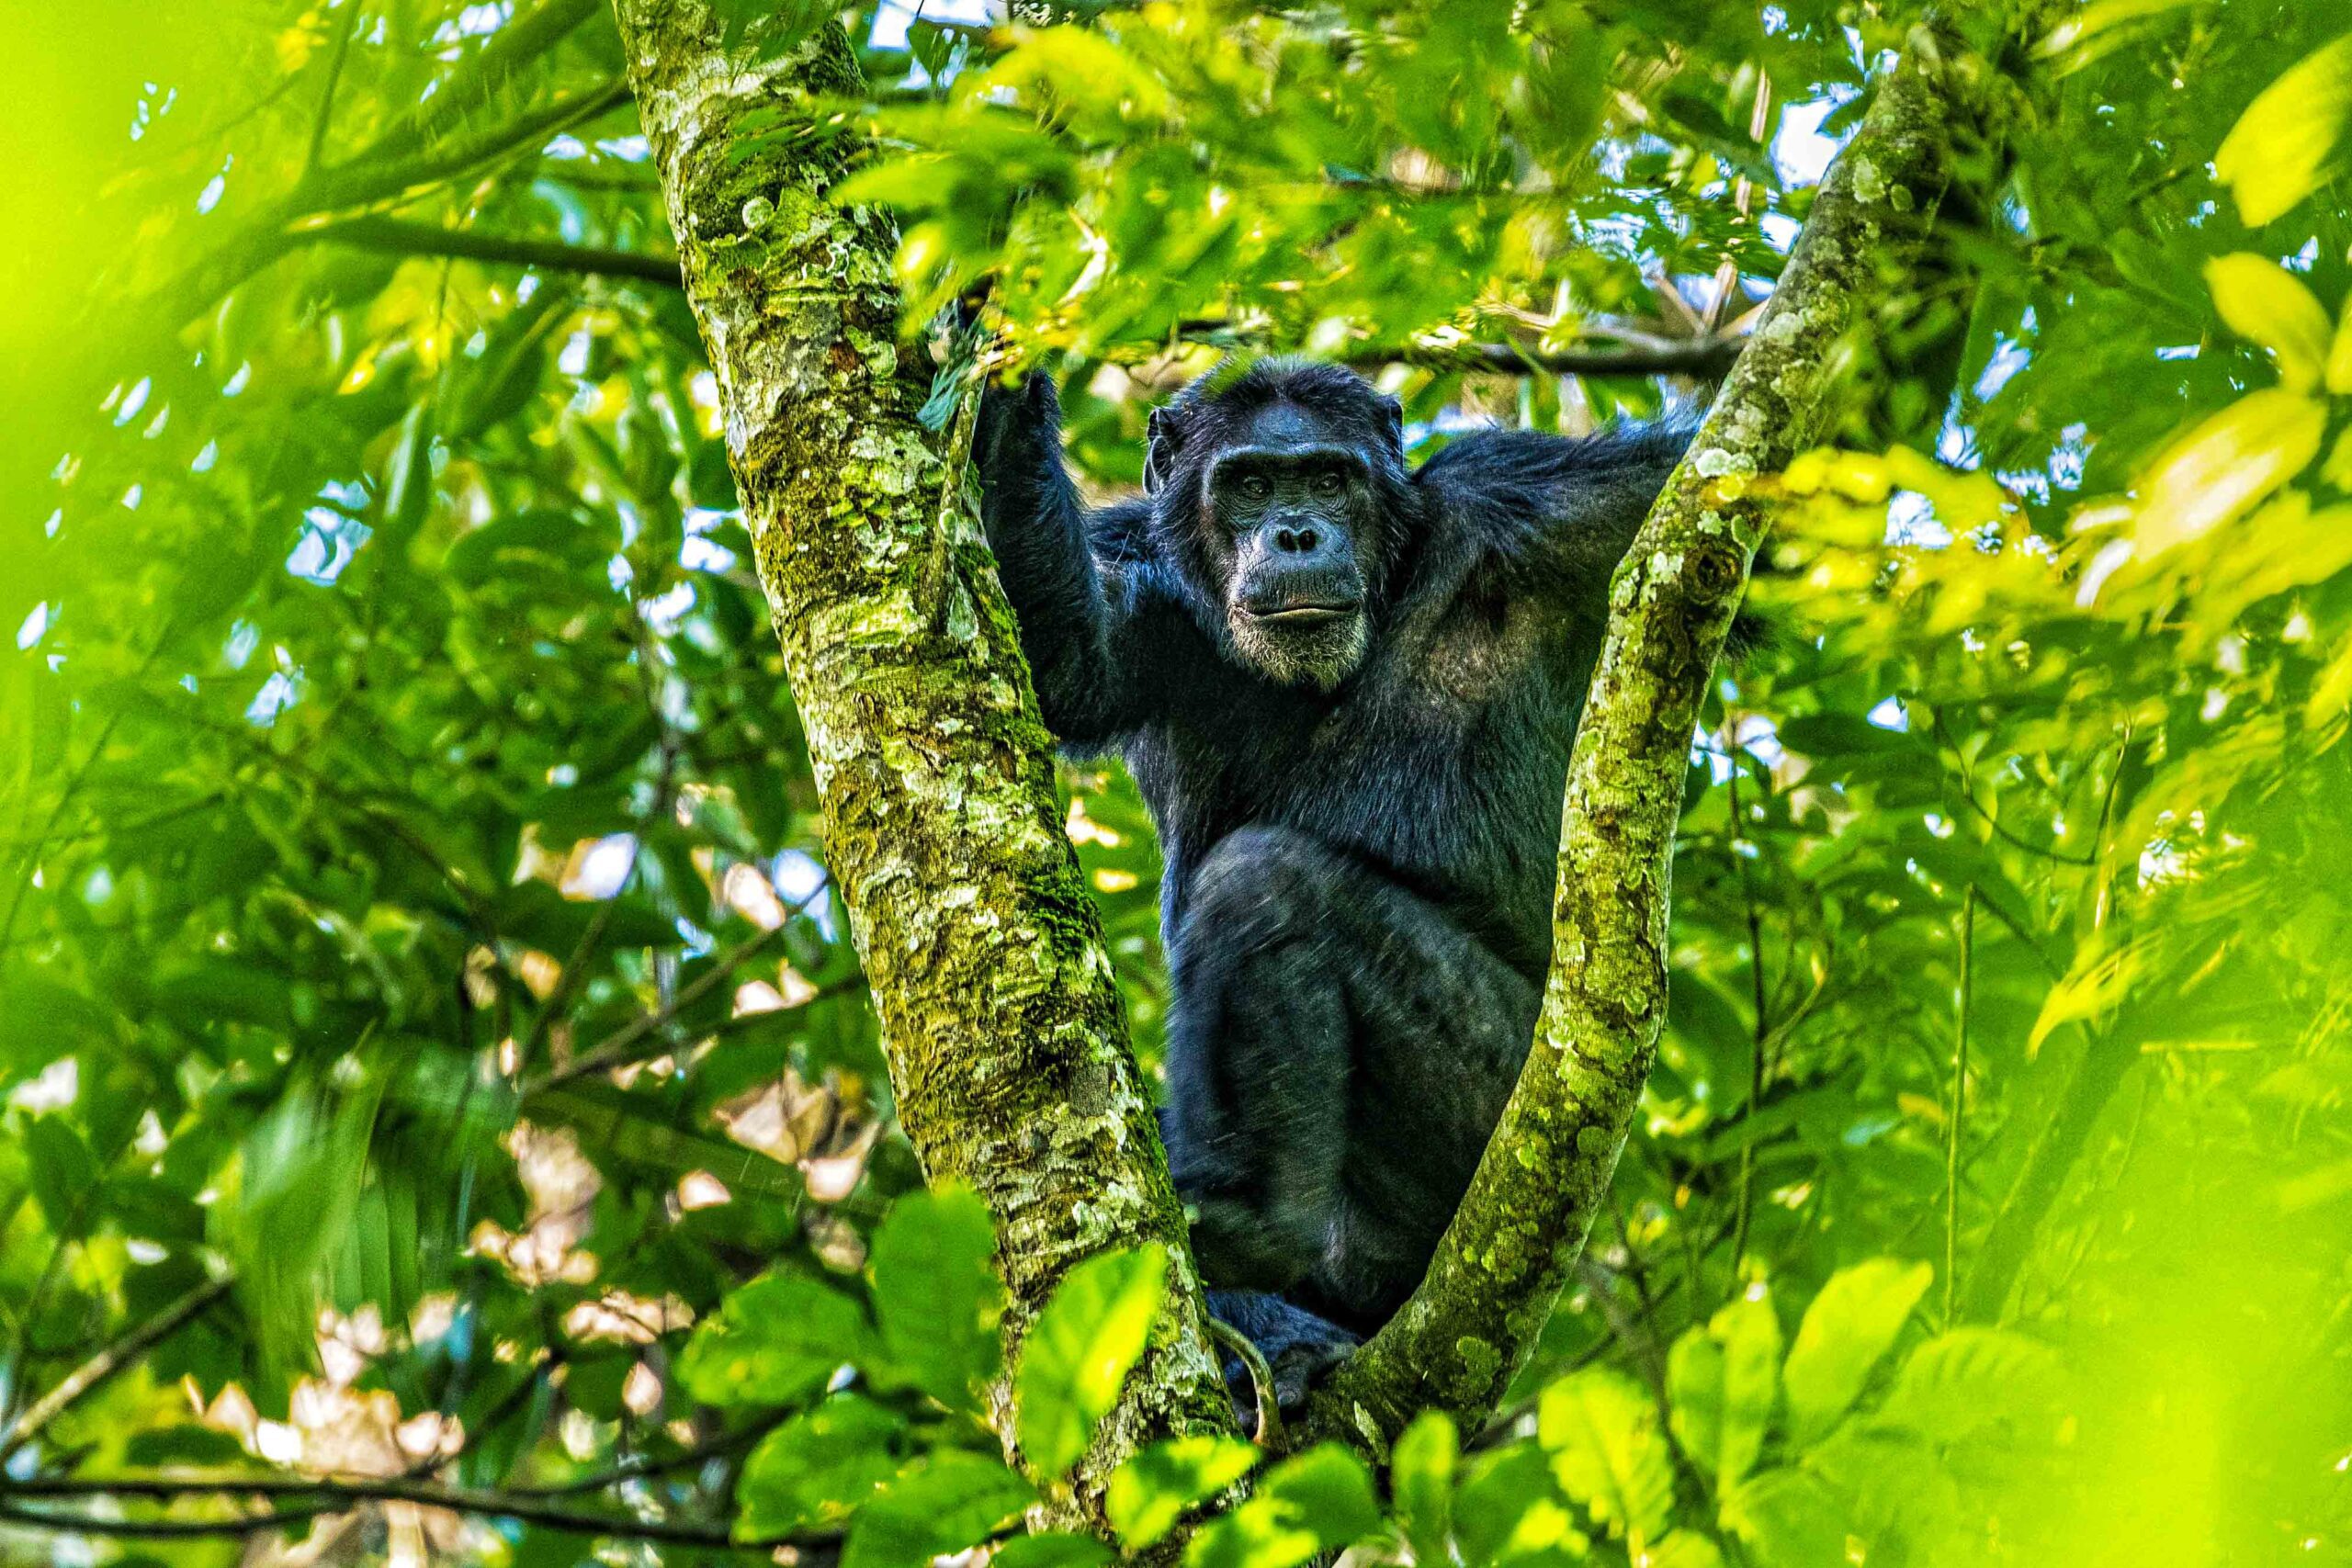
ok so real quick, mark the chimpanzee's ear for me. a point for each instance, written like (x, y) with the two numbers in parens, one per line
(1392, 416)
(1163, 440)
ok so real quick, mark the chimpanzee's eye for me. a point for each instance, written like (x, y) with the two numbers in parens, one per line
(1328, 485)
(1256, 487)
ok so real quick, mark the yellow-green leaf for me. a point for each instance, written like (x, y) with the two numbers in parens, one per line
(1848, 1327)
(1683, 1549)
(1723, 1381)
(2338, 469)
(1420, 1479)
(2288, 142)
(1955, 1385)
(2098, 980)
(1310, 1503)
(2266, 304)
(1079, 1351)
(2287, 545)
(2081, 34)
(2340, 354)
(2331, 693)
(2227, 466)
(1149, 1493)
(1608, 1452)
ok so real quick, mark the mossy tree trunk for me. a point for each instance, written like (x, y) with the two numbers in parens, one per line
(1471, 1325)
(1000, 1019)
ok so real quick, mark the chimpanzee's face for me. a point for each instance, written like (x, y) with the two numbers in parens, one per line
(1287, 503)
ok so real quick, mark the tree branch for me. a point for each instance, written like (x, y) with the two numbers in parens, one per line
(109, 1360)
(410, 238)
(481, 78)
(412, 154)
(1611, 353)
(615, 1049)
(1472, 1324)
(1000, 1015)
(311, 1498)
(1709, 358)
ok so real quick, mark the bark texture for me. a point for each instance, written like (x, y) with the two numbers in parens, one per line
(1470, 1326)
(1006, 1041)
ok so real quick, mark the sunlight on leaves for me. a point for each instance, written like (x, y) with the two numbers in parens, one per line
(2291, 138)
(2266, 304)
(2224, 467)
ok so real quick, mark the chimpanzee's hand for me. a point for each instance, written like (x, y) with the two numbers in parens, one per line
(1017, 429)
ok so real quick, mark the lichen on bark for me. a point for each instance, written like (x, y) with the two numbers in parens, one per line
(1469, 1328)
(1000, 1019)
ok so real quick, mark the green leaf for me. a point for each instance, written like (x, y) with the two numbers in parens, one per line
(1826, 735)
(625, 1128)
(1607, 1451)
(936, 1294)
(1329, 1490)
(817, 1467)
(481, 554)
(2291, 138)
(2271, 308)
(2078, 36)
(1684, 1548)
(775, 1341)
(1052, 1550)
(2339, 354)
(1952, 1387)
(64, 1174)
(1789, 1519)
(1079, 1351)
(1420, 1480)
(1151, 1492)
(1310, 1503)
(1848, 1327)
(1723, 1382)
(947, 1503)
(1508, 1511)
(2227, 466)
(496, 386)
(408, 479)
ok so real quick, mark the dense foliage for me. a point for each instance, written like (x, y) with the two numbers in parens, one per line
(438, 1091)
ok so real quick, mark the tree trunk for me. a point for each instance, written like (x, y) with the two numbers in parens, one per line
(1471, 1325)
(1007, 1045)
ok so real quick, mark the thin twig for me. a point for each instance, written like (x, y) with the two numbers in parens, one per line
(1954, 1118)
(480, 78)
(409, 237)
(1706, 357)
(370, 179)
(109, 1360)
(309, 1498)
(613, 1050)
(325, 117)
(158, 1529)
(1968, 795)
(636, 1469)
(1760, 1032)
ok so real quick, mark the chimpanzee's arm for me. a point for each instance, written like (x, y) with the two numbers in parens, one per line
(1562, 510)
(1081, 625)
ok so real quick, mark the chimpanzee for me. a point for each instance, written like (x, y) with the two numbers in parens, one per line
(1347, 690)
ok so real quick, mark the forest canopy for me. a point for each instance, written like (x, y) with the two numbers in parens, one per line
(443, 1116)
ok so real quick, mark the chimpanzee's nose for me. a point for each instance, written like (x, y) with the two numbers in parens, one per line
(1295, 541)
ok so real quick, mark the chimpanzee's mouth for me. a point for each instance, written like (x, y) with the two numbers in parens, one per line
(1308, 614)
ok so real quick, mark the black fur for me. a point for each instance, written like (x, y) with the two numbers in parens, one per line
(1359, 882)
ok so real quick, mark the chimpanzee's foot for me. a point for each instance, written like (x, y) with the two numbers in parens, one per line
(1299, 1348)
